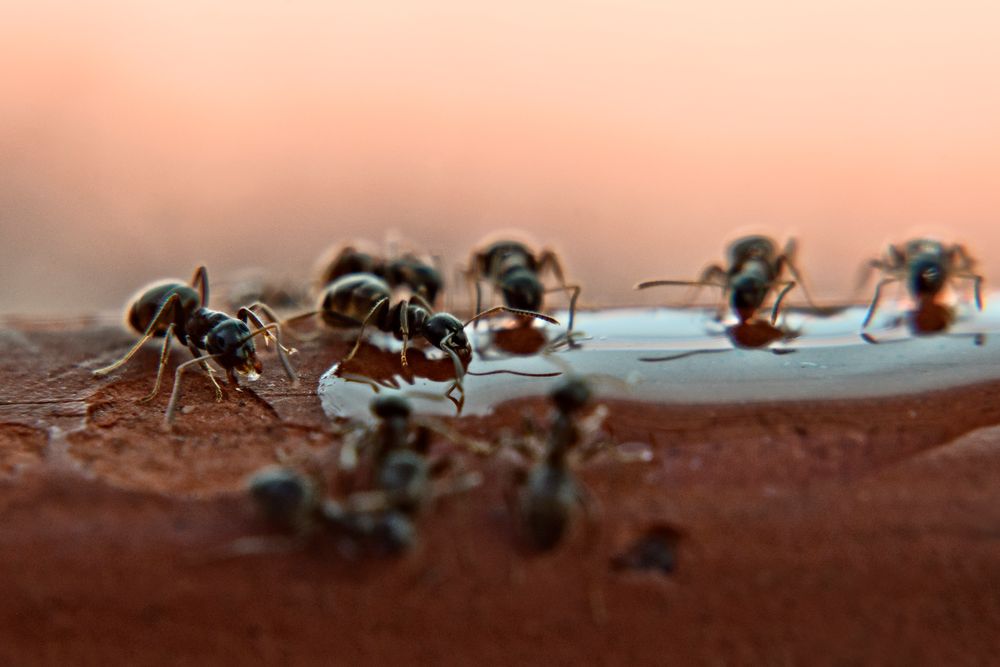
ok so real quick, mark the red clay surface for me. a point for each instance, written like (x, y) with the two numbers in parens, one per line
(840, 532)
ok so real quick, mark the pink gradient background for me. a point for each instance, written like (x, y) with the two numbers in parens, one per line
(138, 139)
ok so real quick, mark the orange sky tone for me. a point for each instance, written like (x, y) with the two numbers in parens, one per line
(138, 140)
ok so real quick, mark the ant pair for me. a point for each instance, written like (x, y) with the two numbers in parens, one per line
(358, 300)
(402, 480)
(177, 310)
(407, 270)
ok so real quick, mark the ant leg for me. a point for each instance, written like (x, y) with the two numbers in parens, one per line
(977, 286)
(865, 272)
(875, 299)
(422, 301)
(165, 310)
(266, 331)
(959, 252)
(460, 484)
(574, 293)
(246, 314)
(551, 260)
(479, 296)
(515, 311)
(164, 355)
(787, 258)
(364, 323)
(175, 394)
(781, 295)
(200, 281)
(404, 326)
(271, 315)
(209, 371)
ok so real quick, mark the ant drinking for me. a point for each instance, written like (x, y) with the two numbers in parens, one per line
(926, 266)
(755, 269)
(513, 269)
(173, 309)
(360, 299)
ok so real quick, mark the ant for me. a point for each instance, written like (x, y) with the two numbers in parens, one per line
(407, 270)
(549, 490)
(513, 269)
(360, 299)
(755, 268)
(173, 309)
(926, 265)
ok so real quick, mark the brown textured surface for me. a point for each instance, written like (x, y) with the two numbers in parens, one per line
(823, 533)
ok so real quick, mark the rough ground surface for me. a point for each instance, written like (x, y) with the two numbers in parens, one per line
(838, 532)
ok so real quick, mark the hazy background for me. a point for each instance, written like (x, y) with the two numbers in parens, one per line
(138, 139)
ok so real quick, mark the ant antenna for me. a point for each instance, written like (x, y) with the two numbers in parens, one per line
(515, 311)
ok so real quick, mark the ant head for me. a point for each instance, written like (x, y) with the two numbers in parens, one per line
(522, 290)
(231, 340)
(281, 494)
(445, 330)
(748, 293)
(927, 276)
(570, 394)
(390, 406)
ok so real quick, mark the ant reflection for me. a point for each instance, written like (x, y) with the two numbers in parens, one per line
(751, 335)
(928, 319)
(521, 341)
(379, 369)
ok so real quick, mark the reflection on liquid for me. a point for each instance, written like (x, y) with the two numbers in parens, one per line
(704, 360)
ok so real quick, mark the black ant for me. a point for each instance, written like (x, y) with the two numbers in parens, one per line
(549, 490)
(513, 269)
(357, 300)
(407, 270)
(174, 309)
(755, 268)
(926, 265)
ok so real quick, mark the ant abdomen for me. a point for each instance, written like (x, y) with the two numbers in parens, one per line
(145, 307)
(547, 500)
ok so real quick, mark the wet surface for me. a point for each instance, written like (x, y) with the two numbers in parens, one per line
(666, 355)
(865, 525)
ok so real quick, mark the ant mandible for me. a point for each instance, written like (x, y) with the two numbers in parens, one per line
(755, 268)
(926, 265)
(173, 309)
(513, 269)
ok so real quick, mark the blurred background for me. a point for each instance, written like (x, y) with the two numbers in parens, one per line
(636, 137)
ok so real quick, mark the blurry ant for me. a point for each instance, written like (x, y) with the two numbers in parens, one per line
(549, 490)
(755, 268)
(295, 503)
(407, 270)
(926, 265)
(175, 309)
(514, 270)
(357, 300)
